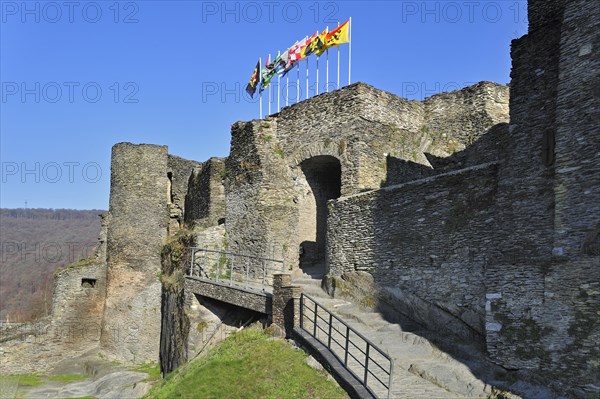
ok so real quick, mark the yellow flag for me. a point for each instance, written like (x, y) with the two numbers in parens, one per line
(321, 46)
(339, 35)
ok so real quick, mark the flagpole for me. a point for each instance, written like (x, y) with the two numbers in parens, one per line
(338, 67)
(298, 84)
(338, 63)
(349, 47)
(326, 62)
(279, 84)
(259, 88)
(287, 86)
(327, 71)
(317, 92)
(306, 78)
(269, 61)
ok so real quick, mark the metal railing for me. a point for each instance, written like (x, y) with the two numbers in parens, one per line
(360, 356)
(234, 269)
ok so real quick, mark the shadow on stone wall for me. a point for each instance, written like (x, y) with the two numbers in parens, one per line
(491, 146)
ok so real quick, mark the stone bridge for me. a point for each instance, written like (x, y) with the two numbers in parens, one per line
(247, 298)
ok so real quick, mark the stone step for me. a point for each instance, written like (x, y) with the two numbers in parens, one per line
(421, 369)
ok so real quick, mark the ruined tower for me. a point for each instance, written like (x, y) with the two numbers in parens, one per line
(137, 231)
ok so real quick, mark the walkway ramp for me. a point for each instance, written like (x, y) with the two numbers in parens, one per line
(420, 369)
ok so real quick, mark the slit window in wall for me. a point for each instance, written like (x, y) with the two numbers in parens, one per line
(170, 188)
(548, 147)
(88, 282)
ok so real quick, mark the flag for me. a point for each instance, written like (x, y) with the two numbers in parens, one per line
(311, 44)
(336, 37)
(251, 88)
(291, 56)
(321, 47)
(283, 61)
(267, 73)
(296, 51)
(319, 44)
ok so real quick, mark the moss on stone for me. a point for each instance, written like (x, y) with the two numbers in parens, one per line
(201, 326)
(277, 150)
(89, 261)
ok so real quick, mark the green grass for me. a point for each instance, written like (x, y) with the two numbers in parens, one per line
(150, 368)
(17, 385)
(248, 365)
(27, 380)
(80, 263)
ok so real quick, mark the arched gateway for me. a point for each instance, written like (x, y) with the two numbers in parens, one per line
(323, 175)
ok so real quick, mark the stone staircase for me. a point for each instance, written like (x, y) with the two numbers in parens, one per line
(421, 370)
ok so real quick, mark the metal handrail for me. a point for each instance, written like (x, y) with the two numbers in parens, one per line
(259, 276)
(236, 254)
(368, 359)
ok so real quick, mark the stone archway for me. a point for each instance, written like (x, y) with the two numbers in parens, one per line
(323, 174)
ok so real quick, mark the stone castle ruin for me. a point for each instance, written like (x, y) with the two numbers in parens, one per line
(474, 212)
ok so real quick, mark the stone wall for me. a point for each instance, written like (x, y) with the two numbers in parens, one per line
(491, 146)
(178, 171)
(270, 192)
(261, 191)
(206, 194)
(257, 301)
(426, 239)
(577, 142)
(542, 12)
(513, 248)
(78, 300)
(80, 292)
(138, 228)
(457, 119)
(543, 291)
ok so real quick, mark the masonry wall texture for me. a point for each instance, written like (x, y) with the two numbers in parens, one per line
(286, 303)
(178, 172)
(138, 228)
(77, 303)
(426, 238)
(79, 295)
(360, 126)
(206, 194)
(526, 271)
(254, 300)
(549, 320)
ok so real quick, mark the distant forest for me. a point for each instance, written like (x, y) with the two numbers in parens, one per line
(33, 244)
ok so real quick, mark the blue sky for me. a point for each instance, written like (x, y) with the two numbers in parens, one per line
(77, 77)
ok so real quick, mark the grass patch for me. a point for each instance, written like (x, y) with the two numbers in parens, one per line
(26, 380)
(17, 385)
(248, 365)
(80, 263)
(150, 368)
(67, 378)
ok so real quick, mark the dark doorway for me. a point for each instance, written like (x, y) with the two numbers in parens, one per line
(323, 174)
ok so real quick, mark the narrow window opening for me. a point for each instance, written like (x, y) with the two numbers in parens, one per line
(170, 188)
(548, 147)
(88, 282)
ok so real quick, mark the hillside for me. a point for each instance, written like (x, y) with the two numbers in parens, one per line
(249, 364)
(33, 244)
